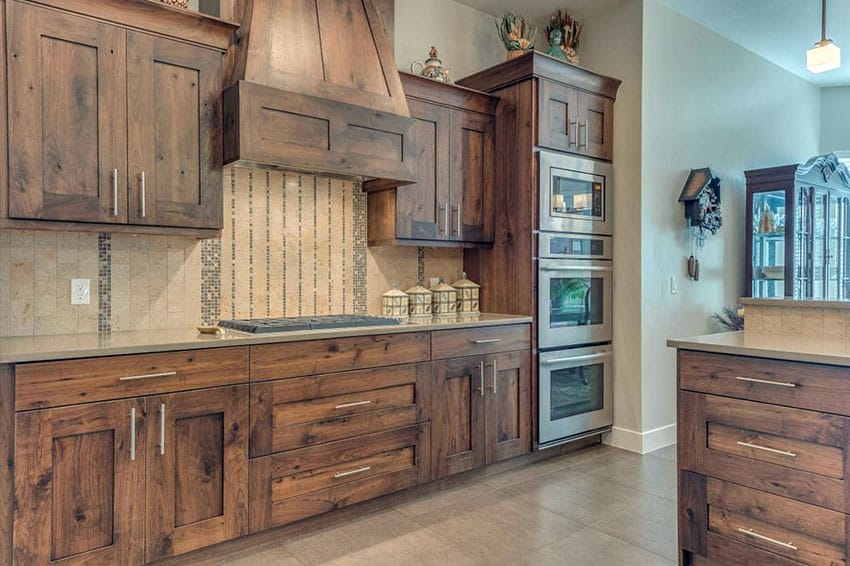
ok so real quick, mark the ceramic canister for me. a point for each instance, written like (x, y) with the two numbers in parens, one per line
(444, 299)
(467, 295)
(420, 302)
(395, 304)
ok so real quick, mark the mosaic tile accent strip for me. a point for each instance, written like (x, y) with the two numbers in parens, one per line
(360, 217)
(104, 283)
(211, 281)
(420, 266)
(251, 244)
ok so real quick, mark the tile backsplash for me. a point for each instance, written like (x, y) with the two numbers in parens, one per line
(292, 244)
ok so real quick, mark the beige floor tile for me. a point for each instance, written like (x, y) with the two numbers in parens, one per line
(589, 546)
(435, 507)
(418, 548)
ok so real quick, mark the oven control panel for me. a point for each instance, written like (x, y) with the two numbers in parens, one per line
(575, 246)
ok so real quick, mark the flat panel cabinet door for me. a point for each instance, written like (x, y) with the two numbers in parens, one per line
(473, 174)
(559, 116)
(197, 470)
(67, 117)
(80, 484)
(457, 416)
(423, 207)
(174, 129)
(596, 126)
(508, 381)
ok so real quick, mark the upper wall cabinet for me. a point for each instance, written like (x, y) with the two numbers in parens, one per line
(451, 202)
(112, 126)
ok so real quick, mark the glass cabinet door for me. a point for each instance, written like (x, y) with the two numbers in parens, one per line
(768, 253)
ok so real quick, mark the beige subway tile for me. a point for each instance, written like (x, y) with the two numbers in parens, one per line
(813, 326)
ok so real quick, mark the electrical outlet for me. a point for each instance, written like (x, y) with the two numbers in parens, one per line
(80, 291)
(674, 285)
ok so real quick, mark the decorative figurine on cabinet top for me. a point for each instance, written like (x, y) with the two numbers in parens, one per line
(563, 33)
(516, 34)
(701, 197)
(432, 68)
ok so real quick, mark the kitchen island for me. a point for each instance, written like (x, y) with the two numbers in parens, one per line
(764, 444)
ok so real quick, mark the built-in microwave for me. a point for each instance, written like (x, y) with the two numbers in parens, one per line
(575, 194)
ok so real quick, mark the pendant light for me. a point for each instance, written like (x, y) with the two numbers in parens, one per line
(825, 56)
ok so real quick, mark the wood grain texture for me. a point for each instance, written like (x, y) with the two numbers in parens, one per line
(65, 509)
(722, 550)
(4, 126)
(180, 514)
(51, 384)
(478, 341)
(473, 170)
(508, 405)
(417, 87)
(56, 226)
(597, 114)
(7, 459)
(693, 513)
(277, 361)
(559, 115)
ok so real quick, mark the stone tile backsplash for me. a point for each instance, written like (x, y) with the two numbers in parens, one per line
(292, 244)
(823, 323)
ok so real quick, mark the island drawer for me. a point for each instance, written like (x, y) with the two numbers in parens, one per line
(311, 357)
(478, 341)
(305, 411)
(806, 386)
(790, 452)
(301, 483)
(54, 384)
(777, 525)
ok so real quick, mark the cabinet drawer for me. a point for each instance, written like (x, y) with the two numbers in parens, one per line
(790, 452)
(304, 411)
(782, 526)
(476, 341)
(807, 386)
(310, 481)
(276, 361)
(53, 384)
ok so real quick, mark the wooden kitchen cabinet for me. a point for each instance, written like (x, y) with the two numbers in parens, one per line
(111, 126)
(451, 203)
(508, 409)
(197, 470)
(80, 484)
(575, 121)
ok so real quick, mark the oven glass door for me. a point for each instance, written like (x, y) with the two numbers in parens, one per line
(574, 303)
(574, 194)
(575, 392)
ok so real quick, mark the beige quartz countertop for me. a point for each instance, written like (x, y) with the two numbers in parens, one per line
(773, 346)
(70, 346)
(801, 303)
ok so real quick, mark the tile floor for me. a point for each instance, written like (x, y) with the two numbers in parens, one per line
(599, 506)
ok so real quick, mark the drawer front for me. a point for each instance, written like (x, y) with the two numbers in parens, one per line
(305, 411)
(723, 551)
(794, 453)
(310, 481)
(782, 526)
(806, 386)
(53, 384)
(296, 359)
(476, 341)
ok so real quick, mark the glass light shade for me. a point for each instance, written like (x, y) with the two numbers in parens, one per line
(825, 56)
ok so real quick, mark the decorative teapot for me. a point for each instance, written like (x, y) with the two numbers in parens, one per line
(432, 68)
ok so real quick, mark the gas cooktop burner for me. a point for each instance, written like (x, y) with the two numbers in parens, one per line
(301, 323)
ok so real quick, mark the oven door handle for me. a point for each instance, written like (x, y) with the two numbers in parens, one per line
(577, 268)
(586, 358)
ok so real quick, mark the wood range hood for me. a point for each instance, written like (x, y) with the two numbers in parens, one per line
(313, 86)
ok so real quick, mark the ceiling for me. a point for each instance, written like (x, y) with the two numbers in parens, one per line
(779, 30)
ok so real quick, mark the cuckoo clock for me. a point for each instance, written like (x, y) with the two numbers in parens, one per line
(701, 197)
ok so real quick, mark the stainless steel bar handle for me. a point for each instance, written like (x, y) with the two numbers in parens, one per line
(766, 381)
(752, 533)
(162, 429)
(356, 404)
(443, 219)
(495, 375)
(767, 449)
(352, 472)
(580, 126)
(133, 434)
(115, 192)
(586, 358)
(458, 225)
(481, 375)
(487, 341)
(577, 268)
(147, 376)
(586, 136)
(572, 140)
(144, 195)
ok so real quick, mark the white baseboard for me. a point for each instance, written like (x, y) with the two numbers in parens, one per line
(641, 442)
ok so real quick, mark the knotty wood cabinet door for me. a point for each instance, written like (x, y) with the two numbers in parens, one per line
(473, 140)
(67, 117)
(197, 471)
(575, 121)
(80, 484)
(596, 138)
(508, 410)
(174, 133)
(457, 416)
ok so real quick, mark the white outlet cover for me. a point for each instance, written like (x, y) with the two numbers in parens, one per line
(80, 291)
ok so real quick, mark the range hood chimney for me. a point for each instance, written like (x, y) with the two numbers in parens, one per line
(313, 86)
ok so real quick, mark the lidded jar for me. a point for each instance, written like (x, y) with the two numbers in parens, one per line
(444, 299)
(395, 304)
(467, 295)
(420, 303)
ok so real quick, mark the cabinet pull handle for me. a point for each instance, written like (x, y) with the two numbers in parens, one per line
(352, 472)
(495, 373)
(572, 140)
(458, 227)
(147, 376)
(578, 132)
(144, 195)
(444, 217)
(133, 434)
(115, 192)
(487, 341)
(585, 358)
(481, 376)
(355, 404)
(766, 381)
(752, 533)
(767, 449)
(162, 429)
(586, 136)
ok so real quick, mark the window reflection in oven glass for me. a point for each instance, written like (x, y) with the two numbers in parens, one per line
(576, 197)
(577, 390)
(575, 301)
